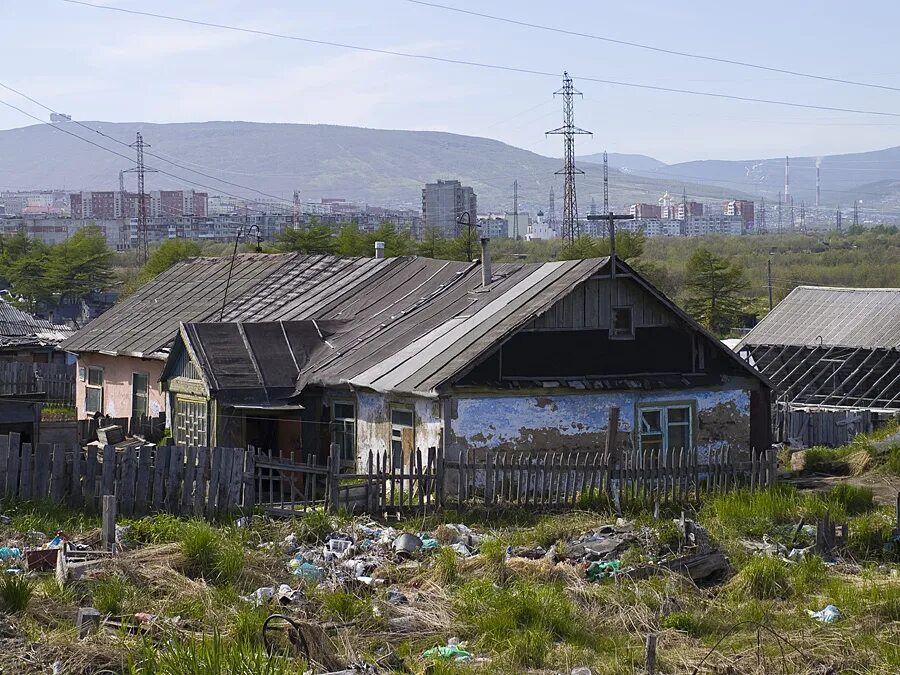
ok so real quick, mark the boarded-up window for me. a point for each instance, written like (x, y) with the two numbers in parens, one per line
(402, 435)
(190, 422)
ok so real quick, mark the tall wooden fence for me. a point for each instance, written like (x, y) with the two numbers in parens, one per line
(144, 478)
(53, 382)
(802, 427)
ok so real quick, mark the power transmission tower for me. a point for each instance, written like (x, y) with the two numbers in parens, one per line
(803, 216)
(568, 131)
(761, 224)
(855, 212)
(124, 230)
(838, 217)
(516, 210)
(793, 223)
(140, 169)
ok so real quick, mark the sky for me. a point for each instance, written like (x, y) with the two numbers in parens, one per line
(96, 64)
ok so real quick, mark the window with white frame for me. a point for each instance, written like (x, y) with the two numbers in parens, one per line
(343, 420)
(665, 427)
(402, 435)
(93, 390)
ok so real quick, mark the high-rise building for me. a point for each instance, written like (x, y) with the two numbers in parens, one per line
(160, 204)
(443, 204)
(743, 209)
(645, 211)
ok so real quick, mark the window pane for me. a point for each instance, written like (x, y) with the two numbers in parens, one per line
(93, 399)
(679, 436)
(402, 418)
(651, 441)
(622, 321)
(651, 421)
(343, 411)
(679, 415)
(95, 376)
(140, 382)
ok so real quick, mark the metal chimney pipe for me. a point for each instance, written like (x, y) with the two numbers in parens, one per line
(485, 262)
(379, 249)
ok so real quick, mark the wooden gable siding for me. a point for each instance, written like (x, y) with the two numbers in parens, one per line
(587, 306)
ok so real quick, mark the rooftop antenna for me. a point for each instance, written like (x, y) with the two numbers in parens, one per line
(568, 131)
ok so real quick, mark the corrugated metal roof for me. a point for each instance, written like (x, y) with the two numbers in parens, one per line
(18, 328)
(832, 317)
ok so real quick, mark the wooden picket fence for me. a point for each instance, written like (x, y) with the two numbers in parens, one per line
(45, 381)
(144, 478)
(558, 480)
(411, 486)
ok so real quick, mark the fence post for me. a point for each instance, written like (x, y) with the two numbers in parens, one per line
(651, 654)
(108, 522)
(334, 470)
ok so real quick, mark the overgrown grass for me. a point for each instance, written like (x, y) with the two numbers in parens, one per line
(47, 517)
(520, 621)
(210, 553)
(763, 578)
(344, 606)
(213, 655)
(113, 593)
(446, 566)
(15, 592)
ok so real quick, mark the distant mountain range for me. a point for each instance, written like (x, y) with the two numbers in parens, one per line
(387, 167)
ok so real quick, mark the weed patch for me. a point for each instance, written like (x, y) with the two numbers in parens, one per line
(15, 592)
(762, 578)
(210, 554)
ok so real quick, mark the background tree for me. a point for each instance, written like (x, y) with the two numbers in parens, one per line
(713, 286)
(169, 253)
(314, 239)
(80, 265)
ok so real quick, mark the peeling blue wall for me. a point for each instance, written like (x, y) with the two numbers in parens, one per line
(578, 420)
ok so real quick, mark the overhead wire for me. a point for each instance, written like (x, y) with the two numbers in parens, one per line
(478, 64)
(653, 48)
(146, 152)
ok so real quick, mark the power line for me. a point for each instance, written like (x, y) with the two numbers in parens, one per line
(661, 50)
(130, 160)
(151, 154)
(477, 64)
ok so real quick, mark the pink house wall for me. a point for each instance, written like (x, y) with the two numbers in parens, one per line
(117, 372)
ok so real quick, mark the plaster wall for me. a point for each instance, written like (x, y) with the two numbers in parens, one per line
(373, 426)
(117, 372)
(579, 420)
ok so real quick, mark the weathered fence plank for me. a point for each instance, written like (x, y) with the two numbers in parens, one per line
(58, 474)
(4, 461)
(26, 482)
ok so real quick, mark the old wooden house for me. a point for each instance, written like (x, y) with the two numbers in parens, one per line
(389, 355)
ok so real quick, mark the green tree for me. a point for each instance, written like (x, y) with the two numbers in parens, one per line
(582, 248)
(396, 242)
(713, 286)
(80, 264)
(314, 239)
(169, 253)
(350, 241)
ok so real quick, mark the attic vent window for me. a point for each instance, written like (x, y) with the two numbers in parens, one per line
(622, 325)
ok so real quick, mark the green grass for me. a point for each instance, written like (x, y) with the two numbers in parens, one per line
(521, 620)
(446, 566)
(763, 578)
(15, 592)
(343, 606)
(113, 593)
(46, 517)
(211, 554)
(213, 655)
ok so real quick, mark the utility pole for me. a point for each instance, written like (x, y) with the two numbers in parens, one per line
(140, 169)
(568, 131)
(769, 278)
(516, 210)
(793, 223)
(803, 216)
(855, 212)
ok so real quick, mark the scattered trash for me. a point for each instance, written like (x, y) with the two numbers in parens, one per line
(243, 521)
(304, 569)
(10, 553)
(396, 597)
(430, 543)
(581, 670)
(600, 570)
(287, 595)
(407, 543)
(290, 543)
(144, 617)
(461, 549)
(5, 520)
(262, 595)
(829, 614)
(454, 649)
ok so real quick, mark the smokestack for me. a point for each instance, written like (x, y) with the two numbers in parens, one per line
(379, 250)
(787, 178)
(485, 262)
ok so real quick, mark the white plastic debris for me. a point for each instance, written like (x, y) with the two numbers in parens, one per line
(829, 614)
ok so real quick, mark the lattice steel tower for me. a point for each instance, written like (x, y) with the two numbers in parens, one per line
(570, 227)
(143, 235)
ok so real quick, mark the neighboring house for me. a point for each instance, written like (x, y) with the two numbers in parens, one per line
(389, 355)
(831, 349)
(26, 338)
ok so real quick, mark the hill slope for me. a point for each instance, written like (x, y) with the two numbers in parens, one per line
(373, 165)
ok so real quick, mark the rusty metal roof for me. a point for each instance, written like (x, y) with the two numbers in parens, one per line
(816, 316)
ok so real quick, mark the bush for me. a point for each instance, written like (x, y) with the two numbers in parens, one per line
(15, 592)
(763, 578)
(892, 460)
